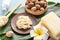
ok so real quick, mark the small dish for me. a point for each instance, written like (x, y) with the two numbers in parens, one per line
(15, 18)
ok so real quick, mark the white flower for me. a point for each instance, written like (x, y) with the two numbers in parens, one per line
(39, 32)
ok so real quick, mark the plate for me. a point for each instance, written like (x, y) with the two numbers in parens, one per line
(15, 18)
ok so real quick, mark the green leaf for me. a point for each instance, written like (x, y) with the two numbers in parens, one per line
(50, 3)
(58, 4)
(55, 8)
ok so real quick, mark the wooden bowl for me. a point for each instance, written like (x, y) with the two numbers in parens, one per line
(15, 18)
(39, 12)
(36, 12)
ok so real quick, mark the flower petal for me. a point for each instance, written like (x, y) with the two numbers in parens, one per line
(45, 37)
(38, 38)
(36, 27)
(32, 33)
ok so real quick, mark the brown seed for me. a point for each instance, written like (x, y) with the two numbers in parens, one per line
(31, 4)
(38, 6)
(28, 7)
(37, 2)
(9, 34)
(28, 0)
(45, 2)
(42, 3)
(26, 3)
(33, 9)
(33, 1)
(42, 9)
(45, 6)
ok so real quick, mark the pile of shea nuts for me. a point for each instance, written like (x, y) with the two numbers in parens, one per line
(36, 5)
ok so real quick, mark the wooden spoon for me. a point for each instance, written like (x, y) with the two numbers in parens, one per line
(4, 19)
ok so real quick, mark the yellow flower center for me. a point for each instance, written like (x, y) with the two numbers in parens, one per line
(39, 32)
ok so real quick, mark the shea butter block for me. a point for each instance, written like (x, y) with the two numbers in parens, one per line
(52, 22)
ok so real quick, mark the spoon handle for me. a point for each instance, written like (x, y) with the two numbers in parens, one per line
(14, 9)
